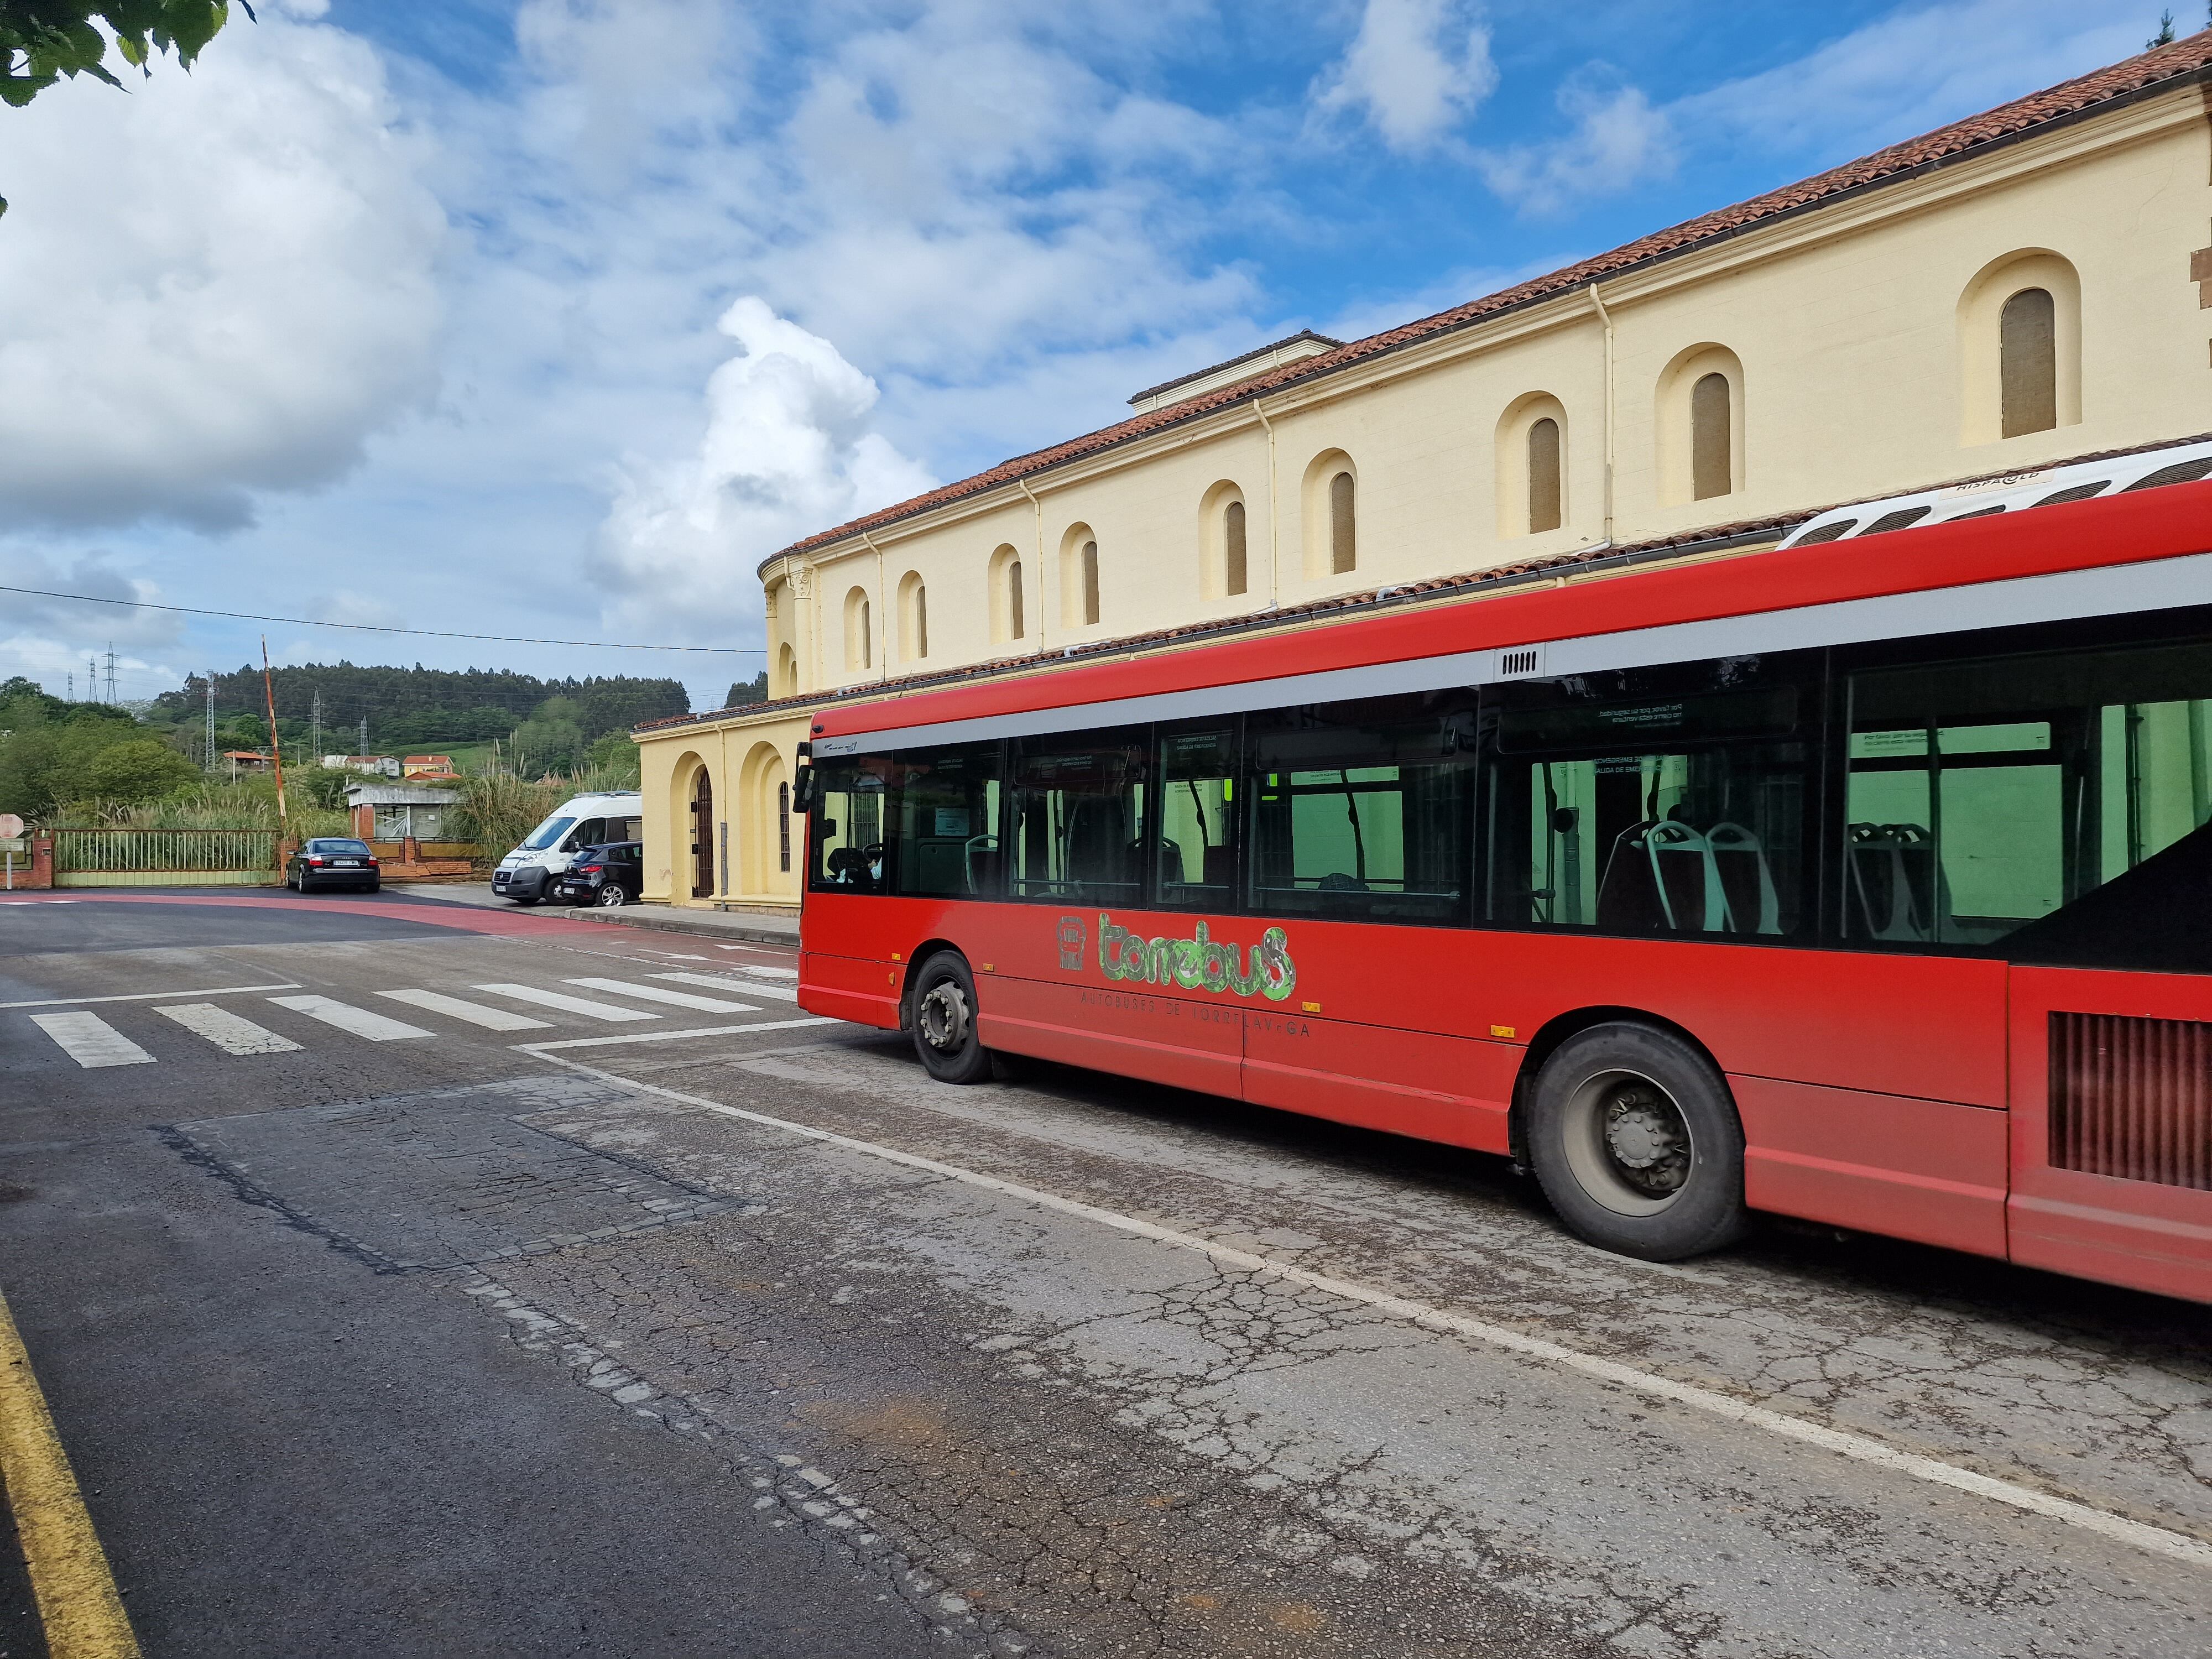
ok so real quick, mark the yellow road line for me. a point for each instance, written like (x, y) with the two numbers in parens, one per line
(77, 1604)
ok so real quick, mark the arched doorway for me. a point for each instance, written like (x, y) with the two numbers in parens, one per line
(768, 858)
(702, 835)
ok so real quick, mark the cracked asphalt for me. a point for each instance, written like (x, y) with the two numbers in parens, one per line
(758, 1342)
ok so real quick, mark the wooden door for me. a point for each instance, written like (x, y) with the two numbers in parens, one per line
(702, 836)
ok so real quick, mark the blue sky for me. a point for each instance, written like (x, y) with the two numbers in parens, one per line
(555, 318)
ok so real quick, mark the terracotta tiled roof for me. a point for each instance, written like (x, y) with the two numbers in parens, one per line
(2147, 72)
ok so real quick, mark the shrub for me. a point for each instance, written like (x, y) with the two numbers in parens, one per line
(138, 770)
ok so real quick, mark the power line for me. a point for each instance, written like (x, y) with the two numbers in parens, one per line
(374, 628)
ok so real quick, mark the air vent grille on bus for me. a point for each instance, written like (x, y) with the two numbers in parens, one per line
(1522, 659)
(2132, 1098)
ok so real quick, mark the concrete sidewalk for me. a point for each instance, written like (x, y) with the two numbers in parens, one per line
(760, 927)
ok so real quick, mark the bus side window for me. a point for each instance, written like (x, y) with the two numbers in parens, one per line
(1196, 841)
(1684, 810)
(2050, 806)
(1076, 825)
(943, 840)
(848, 825)
(1361, 810)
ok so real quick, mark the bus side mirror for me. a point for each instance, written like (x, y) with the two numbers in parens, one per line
(802, 790)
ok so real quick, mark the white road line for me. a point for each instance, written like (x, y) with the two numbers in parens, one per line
(673, 956)
(90, 1041)
(661, 994)
(605, 1011)
(670, 1036)
(1861, 1448)
(492, 1019)
(359, 1022)
(232, 1033)
(765, 973)
(777, 991)
(150, 996)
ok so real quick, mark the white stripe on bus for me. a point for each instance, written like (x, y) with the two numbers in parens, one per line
(2059, 596)
(90, 1041)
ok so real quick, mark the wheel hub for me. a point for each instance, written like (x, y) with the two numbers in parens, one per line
(943, 1016)
(1648, 1140)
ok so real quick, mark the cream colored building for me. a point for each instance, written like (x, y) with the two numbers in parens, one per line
(2025, 288)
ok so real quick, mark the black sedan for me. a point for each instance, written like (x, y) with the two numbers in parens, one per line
(331, 862)
(609, 875)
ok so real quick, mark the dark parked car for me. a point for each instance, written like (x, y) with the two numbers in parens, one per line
(329, 862)
(612, 874)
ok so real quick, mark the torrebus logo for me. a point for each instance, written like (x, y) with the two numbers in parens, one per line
(1197, 964)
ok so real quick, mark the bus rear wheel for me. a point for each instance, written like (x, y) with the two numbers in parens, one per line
(945, 1021)
(1637, 1144)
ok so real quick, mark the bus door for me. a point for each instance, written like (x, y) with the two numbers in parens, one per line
(2055, 809)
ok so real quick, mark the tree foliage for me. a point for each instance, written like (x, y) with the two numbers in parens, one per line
(748, 691)
(43, 40)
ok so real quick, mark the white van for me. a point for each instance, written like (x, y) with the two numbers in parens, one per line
(580, 820)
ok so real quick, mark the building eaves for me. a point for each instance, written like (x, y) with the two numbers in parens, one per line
(2146, 74)
(1705, 538)
(1304, 336)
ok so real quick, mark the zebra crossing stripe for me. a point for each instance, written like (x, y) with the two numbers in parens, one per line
(90, 1041)
(568, 1004)
(662, 994)
(232, 1033)
(492, 1019)
(781, 993)
(357, 1021)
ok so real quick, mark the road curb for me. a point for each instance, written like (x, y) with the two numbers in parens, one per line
(626, 917)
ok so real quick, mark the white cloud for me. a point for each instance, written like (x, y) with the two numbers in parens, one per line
(1618, 141)
(787, 451)
(1415, 70)
(215, 283)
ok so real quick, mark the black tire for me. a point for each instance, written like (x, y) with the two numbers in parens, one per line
(1637, 1143)
(945, 1021)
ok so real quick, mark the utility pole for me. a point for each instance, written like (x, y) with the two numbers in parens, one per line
(275, 749)
(210, 688)
(72, 685)
(91, 680)
(111, 670)
(315, 729)
(364, 749)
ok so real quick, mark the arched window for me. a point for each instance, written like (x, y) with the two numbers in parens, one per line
(1003, 586)
(914, 617)
(1544, 512)
(1079, 577)
(859, 633)
(1233, 548)
(2027, 353)
(1343, 549)
(783, 825)
(786, 672)
(1225, 568)
(2019, 348)
(1712, 448)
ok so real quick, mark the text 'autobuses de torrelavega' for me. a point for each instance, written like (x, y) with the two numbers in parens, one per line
(1866, 884)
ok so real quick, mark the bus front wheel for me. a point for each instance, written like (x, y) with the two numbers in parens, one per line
(1637, 1144)
(945, 1021)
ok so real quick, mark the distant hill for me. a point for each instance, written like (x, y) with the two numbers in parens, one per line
(409, 707)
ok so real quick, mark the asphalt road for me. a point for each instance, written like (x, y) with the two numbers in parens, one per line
(723, 1331)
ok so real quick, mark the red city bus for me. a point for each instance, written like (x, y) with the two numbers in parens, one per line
(1872, 887)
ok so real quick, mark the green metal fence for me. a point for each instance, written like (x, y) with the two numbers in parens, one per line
(164, 852)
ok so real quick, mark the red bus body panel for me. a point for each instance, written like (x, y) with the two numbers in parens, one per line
(1899, 1094)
